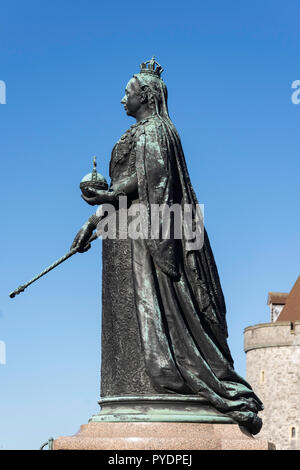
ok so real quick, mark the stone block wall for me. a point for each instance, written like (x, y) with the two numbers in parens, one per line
(273, 370)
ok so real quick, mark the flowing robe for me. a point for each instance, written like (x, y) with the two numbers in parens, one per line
(163, 311)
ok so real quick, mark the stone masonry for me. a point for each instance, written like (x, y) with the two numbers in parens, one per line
(273, 370)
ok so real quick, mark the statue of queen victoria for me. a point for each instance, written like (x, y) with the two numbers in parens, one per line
(164, 331)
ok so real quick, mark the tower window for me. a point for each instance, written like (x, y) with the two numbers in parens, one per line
(293, 432)
(262, 376)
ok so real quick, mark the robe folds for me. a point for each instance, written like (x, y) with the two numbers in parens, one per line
(163, 311)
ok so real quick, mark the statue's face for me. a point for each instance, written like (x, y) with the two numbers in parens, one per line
(132, 98)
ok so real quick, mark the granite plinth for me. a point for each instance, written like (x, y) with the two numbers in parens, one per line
(160, 436)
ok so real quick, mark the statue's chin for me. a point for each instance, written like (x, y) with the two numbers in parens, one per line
(128, 113)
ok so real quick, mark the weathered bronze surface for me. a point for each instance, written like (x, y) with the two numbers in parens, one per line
(93, 180)
(164, 329)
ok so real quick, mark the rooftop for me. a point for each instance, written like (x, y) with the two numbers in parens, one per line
(291, 309)
(278, 298)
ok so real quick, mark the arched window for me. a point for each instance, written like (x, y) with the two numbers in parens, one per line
(293, 432)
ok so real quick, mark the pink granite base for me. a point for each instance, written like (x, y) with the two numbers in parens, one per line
(160, 436)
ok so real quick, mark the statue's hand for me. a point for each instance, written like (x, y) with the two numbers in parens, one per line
(81, 241)
(99, 197)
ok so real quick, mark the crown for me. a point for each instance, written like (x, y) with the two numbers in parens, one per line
(151, 69)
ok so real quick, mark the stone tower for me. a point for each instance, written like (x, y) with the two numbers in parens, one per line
(273, 368)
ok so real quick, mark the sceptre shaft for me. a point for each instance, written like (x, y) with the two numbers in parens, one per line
(94, 180)
(47, 270)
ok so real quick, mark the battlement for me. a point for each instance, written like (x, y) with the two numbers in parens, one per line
(276, 334)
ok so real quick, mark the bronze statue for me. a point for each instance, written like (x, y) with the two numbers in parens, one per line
(163, 312)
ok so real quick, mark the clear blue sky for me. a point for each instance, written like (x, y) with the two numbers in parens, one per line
(229, 67)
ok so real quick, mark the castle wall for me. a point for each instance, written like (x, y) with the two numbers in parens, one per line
(273, 370)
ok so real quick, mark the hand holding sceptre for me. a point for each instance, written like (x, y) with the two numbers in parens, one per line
(73, 251)
(82, 242)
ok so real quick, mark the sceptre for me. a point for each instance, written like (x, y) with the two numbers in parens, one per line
(47, 270)
(94, 180)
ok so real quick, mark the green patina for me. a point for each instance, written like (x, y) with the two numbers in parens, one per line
(159, 408)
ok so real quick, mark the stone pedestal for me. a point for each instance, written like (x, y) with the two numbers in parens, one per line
(160, 422)
(160, 436)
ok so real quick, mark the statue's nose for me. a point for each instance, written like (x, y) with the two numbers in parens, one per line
(124, 99)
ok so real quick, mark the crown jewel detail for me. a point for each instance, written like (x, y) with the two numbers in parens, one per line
(154, 68)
